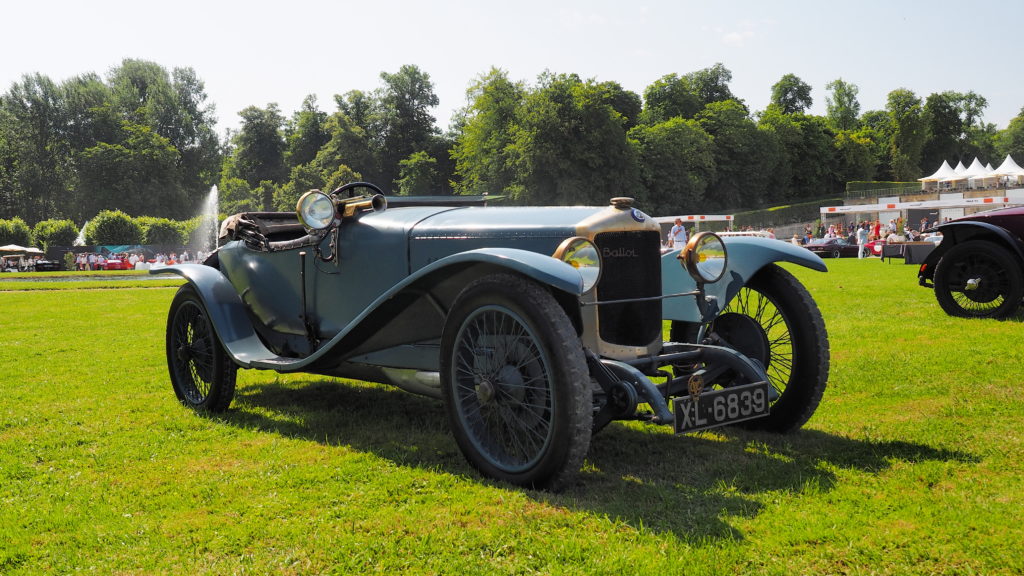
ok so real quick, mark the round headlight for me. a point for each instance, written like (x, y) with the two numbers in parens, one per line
(705, 257)
(582, 255)
(315, 210)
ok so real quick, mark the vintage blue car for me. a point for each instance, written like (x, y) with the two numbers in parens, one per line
(537, 326)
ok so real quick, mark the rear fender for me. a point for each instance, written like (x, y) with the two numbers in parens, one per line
(747, 255)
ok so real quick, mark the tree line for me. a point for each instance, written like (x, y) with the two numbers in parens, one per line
(142, 140)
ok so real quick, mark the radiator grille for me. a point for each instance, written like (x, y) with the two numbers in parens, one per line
(631, 268)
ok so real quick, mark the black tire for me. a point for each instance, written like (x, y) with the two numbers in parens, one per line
(774, 320)
(979, 279)
(202, 375)
(503, 333)
(836, 253)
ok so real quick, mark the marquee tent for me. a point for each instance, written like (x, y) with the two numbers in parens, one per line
(943, 172)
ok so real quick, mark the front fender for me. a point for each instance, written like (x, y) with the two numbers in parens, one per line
(957, 232)
(226, 311)
(747, 255)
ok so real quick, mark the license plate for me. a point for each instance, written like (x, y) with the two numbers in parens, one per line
(720, 407)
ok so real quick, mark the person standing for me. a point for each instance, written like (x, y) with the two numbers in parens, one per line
(862, 239)
(678, 236)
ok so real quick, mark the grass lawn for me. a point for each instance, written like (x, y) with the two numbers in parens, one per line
(913, 464)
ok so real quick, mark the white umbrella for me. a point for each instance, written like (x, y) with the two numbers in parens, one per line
(13, 248)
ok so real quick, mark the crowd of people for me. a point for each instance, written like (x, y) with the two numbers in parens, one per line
(132, 261)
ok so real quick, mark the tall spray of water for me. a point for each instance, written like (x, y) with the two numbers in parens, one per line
(80, 239)
(208, 226)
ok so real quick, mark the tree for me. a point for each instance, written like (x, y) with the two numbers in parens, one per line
(39, 166)
(112, 227)
(137, 173)
(855, 156)
(669, 97)
(15, 231)
(306, 134)
(259, 148)
(842, 107)
(417, 175)
(483, 153)
(1011, 140)
(806, 154)
(712, 85)
(745, 157)
(676, 165)
(402, 123)
(791, 94)
(47, 233)
(908, 134)
(569, 145)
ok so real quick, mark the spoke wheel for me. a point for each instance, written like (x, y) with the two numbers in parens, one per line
(515, 383)
(774, 320)
(979, 279)
(202, 375)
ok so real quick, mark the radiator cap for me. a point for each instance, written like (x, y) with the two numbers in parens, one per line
(623, 202)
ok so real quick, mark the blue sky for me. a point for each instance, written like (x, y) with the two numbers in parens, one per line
(259, 52)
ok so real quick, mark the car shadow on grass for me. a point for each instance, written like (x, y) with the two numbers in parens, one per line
(641, 475)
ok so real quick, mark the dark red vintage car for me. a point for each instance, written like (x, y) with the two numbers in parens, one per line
(977, 270)
(832, 247)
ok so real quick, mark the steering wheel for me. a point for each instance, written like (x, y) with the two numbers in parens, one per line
(351, 186)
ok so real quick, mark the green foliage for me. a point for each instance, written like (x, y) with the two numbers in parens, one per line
(48, 233)
(484, 153)
(163, 231)
(417, 174)
(745, 157)
(112, 227)
(259, 147)
(791, 94)
(908, 134)
(842, 107)
(570, 145)
(669, 97)
(1011, 140)
(15, 231)
(237, 196)
(677, 164)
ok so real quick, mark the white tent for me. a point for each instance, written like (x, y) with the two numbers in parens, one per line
(978, 176)
(1009, 172)
(944, 171)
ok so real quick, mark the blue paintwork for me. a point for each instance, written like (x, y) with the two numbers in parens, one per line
(233, 326)
(226, 311)
(747, 255)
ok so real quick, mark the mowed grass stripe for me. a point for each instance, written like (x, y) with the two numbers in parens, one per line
(912, 464)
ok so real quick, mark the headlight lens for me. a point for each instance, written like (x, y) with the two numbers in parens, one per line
(315, 210)
(582, 255)
(705, 257)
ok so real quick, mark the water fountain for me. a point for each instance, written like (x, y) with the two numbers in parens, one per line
(80, 239)
(208, 225)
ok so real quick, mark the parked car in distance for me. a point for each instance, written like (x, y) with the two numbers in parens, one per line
(535, 326)
(832, 247)
(874, 247)
(977, 270)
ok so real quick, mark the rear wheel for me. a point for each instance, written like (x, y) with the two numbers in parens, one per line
(979, 279)
(515, 383)
(202, 375)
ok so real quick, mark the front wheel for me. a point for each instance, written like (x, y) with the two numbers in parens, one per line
(515, 383)
(979, 279)
(202, 375)
(774, 320)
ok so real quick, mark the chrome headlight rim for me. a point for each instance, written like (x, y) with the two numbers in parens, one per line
(705, 257)
(316, 210)
(583, 255)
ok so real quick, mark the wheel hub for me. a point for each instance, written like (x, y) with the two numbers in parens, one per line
(485, 391)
